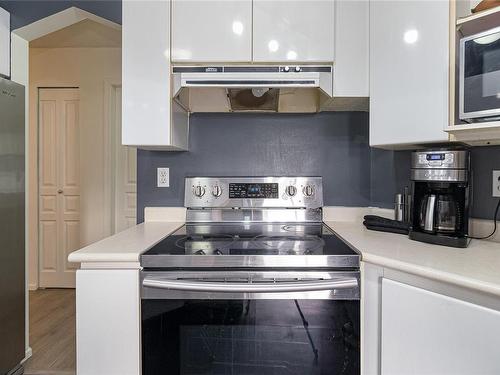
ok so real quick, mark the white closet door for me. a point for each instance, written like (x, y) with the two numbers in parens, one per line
(59, 186)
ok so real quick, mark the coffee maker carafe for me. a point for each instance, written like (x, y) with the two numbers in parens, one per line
(439, 213)
(440, 196)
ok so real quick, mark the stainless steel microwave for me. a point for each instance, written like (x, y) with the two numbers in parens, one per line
(479, 79)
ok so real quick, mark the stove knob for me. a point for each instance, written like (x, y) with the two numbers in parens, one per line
(200, 252)
(308, 191)
(199, 191)
(286, 69)
(291, 190)
(218, 252)
(298, 69)
(216, 191)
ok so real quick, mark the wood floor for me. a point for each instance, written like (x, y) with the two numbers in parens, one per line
(52, 332)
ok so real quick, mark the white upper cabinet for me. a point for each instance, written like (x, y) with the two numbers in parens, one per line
(212, 31)
(4, 42)
(352, 46)
(293, 30)
(149, 119)
(409, 67)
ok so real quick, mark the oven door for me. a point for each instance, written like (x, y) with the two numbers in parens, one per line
(250, 323)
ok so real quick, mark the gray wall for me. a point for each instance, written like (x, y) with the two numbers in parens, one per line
(390, 174)
(333, 145)
(484, 160)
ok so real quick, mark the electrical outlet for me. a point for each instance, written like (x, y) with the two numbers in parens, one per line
(496, 183)
(163, 177)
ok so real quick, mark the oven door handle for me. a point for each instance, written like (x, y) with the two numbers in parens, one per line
(272, 287)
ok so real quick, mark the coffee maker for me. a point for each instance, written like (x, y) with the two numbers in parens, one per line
(441, 190)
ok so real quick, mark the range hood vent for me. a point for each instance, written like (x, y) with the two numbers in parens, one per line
(254, 99)
(252, 88)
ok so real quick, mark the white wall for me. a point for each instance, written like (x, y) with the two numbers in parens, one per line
(89, 69)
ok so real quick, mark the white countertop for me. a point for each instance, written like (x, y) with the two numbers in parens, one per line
(126, 246)
(476, 267)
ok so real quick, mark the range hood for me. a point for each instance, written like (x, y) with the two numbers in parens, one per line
(269, 88)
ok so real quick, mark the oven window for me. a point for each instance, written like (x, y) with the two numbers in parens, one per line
(250, 337)
(482, 73)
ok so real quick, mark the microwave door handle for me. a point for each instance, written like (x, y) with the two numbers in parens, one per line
(227, 287)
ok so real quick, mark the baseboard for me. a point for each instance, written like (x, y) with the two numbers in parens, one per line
(17, 371)
(28, 354)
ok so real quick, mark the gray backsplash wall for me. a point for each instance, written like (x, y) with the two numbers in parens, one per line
(333, 145)
(390, 174)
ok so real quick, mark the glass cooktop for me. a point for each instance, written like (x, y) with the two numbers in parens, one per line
(251, 245)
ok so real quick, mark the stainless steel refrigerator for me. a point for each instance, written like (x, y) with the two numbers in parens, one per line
(12, 227)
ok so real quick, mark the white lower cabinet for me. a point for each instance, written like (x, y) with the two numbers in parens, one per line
(108, 322)
(413, 325)
(429, 333)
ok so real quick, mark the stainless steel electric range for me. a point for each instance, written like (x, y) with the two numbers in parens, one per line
(253, 283)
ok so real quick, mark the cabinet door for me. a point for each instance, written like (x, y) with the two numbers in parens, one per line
(293, 30)
(108, 322)
(4, 43)
(351, 65)
(204, 31)
(428, 333)
(148, 120)
(409, 66)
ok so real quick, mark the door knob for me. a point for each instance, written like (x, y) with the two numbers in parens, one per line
(59, 192)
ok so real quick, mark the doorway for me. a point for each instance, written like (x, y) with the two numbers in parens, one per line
(65, 61)
(76, 172)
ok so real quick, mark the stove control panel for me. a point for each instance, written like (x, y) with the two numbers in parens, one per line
(253, 192)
